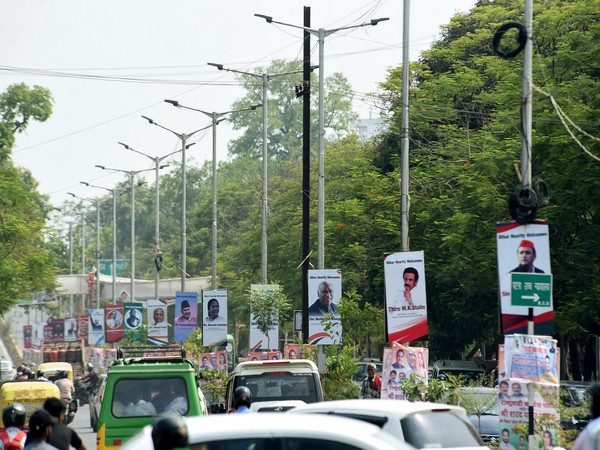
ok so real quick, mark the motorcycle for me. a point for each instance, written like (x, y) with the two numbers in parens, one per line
(82, 393)
(71, 409)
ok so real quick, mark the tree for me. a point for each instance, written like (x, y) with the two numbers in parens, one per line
(269, 306)
(26, 264)
(285, 112)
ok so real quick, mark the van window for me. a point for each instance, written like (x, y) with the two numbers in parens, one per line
(135, 397)
(273, 386)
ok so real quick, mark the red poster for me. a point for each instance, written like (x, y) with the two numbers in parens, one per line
(27, 333)
(82, 329)
(113, 317)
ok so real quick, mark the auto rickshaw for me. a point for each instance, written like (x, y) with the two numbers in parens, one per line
(32, 394)
(51, 370)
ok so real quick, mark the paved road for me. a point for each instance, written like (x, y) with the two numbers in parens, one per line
(81, 424)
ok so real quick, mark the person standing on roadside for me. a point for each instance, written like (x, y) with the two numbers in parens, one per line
(371, 386)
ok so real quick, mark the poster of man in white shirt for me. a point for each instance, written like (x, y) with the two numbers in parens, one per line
(406, 300)
(324, 319)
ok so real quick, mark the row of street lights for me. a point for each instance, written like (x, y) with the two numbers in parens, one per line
(216, 118)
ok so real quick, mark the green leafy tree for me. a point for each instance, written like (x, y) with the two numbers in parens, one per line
(26, 264)
(269, 306)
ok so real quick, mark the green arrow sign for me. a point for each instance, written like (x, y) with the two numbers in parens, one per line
(532, 290)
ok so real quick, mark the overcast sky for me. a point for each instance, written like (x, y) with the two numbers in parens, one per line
(108, 62)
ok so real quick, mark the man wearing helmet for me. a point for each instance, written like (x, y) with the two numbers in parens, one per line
(242, 399)
(65, 386)
(91, 378)
(13, 418)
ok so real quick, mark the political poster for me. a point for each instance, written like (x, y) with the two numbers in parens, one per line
(522, 249)
(27, 336)
(405, 297)
(96, 327)
(71, 329)
(324, 319)
(300, 351)
(213, 361)
(186, 314)
(83, 322)
(158, 326)
(134, 319)
(114, 322)
(400, 362)
(214, 325)
(263, 356)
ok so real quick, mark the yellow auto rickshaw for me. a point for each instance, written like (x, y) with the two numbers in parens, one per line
(31, 394)
(51, 370)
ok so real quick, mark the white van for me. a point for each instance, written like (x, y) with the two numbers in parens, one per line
(277, 385)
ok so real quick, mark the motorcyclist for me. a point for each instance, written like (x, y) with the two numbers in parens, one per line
(13, 419)
(242, 399)
(91, 379)
(65, 386)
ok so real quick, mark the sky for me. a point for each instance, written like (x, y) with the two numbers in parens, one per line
(109, 62)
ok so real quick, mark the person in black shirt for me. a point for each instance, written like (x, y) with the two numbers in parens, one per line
(62, 437)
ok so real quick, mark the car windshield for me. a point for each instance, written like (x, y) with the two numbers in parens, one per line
(275, 386)
(438, 429)
(574, 395)
(136, 397)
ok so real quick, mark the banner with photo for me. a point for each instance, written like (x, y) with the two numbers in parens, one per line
(300, 351)
(114, 322)
(38, 335)
(405, 297)
(100, 358)
(83, 322)
(96, 327)
(158, 326)
(324, 319)
(186, 314)
(214, 324)
(400, 363)
(71, 327)
(134, 319)
(263, 356)
(529, 365)
(522, 249)
(213, 360)
(259, 340)
(57, 333)
(27, 336)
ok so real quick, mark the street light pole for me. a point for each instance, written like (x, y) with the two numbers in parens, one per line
(183, 137)
(321, 34)
(114, 251)
(265, 78)
(132, 174)
(215, 121)
(157, 252)
(97, 203)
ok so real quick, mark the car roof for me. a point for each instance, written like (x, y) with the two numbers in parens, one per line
(274, 365)
(387, 406)
(244, 426)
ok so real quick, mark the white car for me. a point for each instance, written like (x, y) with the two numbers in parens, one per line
(420, 424)
(277, 432)
(7, 371)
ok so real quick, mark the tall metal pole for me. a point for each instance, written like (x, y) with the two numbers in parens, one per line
(214, 201)
(97, 253)
(183, 214)
(82, 256)
(405, 141)
(321, 180)
(114, 258)
(305, 174)
(157, 231)
(527, 97)
(265, 155)
(132, 289)
(71, 265)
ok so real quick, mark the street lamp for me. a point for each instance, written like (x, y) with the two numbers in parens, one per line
(114, 255)
(157, 252)
(215, 121)
(265, 78)
(322, 33)
(183, 137)
(97, 203)
(132, 174)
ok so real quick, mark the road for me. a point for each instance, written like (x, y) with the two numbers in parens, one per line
(81, 424)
